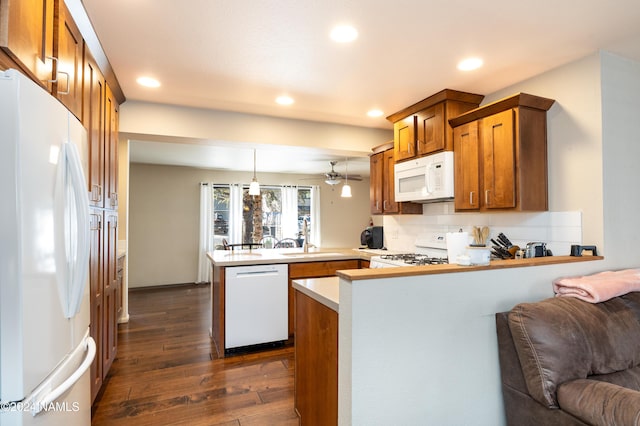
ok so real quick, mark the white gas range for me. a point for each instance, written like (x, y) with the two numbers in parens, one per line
(430, 249)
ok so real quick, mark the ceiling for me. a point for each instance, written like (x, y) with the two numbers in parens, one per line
(239, 55)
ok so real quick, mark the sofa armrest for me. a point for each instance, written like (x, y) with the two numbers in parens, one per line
(600, 403)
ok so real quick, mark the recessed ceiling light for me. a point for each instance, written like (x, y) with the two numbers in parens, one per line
(284, 100)
(375, 113)
(470, 64)
(148, 82)
(344, 34)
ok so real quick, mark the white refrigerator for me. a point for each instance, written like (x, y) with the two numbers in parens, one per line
(45, 347)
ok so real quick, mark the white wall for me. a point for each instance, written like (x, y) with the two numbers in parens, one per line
(621, 143)
(164, 218)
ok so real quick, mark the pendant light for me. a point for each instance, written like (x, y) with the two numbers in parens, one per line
(254, 186)
(346, 188)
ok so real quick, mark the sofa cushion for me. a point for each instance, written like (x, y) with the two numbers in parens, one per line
(564, 339)
(600, 404)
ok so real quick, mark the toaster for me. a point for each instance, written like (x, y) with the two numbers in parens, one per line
(536, 249)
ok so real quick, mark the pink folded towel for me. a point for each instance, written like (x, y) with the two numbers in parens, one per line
(599, 287)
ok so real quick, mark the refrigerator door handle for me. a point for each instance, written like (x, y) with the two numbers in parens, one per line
(41, 402)
(73, 230)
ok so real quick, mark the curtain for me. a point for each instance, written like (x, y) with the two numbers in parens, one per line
(235, 214)
(206, 232)
(289, 212)
(315, 236)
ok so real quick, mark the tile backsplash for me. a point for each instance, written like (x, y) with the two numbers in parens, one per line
(558, 229)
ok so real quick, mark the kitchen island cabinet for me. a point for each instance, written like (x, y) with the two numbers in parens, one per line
(500, 155)
(316, 351)
(300, 265)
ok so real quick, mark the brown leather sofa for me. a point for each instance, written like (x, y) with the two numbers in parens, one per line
(568, 362)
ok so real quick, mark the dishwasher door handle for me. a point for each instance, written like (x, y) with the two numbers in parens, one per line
(256, 273)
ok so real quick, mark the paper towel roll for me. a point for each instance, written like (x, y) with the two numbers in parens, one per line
(457, 243)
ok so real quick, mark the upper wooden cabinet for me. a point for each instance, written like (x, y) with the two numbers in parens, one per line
(382, 189)
(500, 155)
(111, 111)
(68, 49)
(26, 36)
(423, 127)
(93, 119)
(42, 40)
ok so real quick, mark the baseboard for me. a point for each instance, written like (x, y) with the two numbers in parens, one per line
(167, 286)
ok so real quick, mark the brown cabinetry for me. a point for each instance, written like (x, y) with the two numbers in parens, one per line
(111, 292)
(105, 293)
(423, 128)
(68, 49)
(500, 153)
(41, 39)
(96, 280)
(111, 150)
(26, 36)
(382, 187)
(316, 362)
(94, 103)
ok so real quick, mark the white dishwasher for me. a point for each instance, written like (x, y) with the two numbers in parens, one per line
(256, 305)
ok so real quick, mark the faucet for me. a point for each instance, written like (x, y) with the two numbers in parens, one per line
(305, 233)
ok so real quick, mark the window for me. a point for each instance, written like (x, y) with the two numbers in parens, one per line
(278, 212)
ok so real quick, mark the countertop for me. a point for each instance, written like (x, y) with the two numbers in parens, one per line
(269, 256)
(294, 255)
(323, 290)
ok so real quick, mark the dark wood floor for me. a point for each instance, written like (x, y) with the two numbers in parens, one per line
(166, 371)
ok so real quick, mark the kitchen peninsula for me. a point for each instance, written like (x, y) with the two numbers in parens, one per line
(414, 335)
(418, 345)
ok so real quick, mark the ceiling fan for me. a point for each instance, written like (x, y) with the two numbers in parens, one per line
(333, 178)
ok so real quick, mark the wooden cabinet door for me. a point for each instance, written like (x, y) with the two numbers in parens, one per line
(110, 302)
(389, 204)
(111, 150)
(431, 130)
(68, 48)
(376, 198)
(466, 167)
(316, 362)
(96, 283)
(94, 102)
(404, 138)
(499, 161)
(26, 35)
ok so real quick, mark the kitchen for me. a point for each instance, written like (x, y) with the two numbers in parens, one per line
(589, 161)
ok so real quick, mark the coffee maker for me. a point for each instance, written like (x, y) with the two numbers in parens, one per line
(372, 237)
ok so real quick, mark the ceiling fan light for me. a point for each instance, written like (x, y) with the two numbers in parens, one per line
(334, 181)
(346, 191)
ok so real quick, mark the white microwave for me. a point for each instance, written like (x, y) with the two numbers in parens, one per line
(425, 179)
